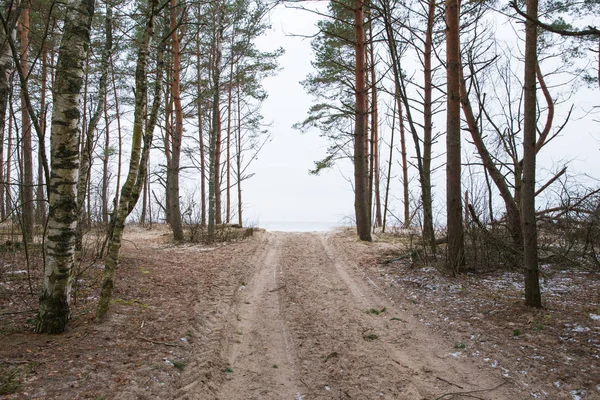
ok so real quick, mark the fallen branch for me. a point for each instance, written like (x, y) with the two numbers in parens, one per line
(18, 312)
(449, 383)
(277, 289)
(470, 393)
(14, 362)
(157, 342)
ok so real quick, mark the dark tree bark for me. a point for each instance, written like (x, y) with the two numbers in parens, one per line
(361, 171)
(41, 192)
(238, 155)
(105, 160)
(374, 134)
(7, 31)
(455, 252)
(177, 134)
(27, 200)
(214, 195)
(404, 162)
(530, 256)
(201, 135)
(424, 170)
(426, 197)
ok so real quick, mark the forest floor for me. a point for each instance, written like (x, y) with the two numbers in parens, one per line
(301, 316)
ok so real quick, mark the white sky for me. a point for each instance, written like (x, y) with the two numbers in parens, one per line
(282, 189)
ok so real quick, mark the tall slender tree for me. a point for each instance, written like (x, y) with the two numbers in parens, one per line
(7, 31)
(88, 141)
(530, 251)
(177, 132)
(214, 197)
(27, 199)
(139, 157)
(455, 252)
(361, 194)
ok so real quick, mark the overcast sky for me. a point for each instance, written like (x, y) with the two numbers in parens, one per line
(282, 189)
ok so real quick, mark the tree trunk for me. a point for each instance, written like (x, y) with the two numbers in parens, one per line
(374, 133)
(105, 162)
(132, 184)
(119, 137)
(238, 154)
(389, 170)
(6, 68)
(424, 178)
(456, 252)
(404, 161)
(530, 256)
(27, 201)
(201, 135)
(173, 171)
(168, 143)
(361, 171)
(40, 192)
(85, 167)
(62, 219)
(513, 214)
(214, 197)
(228, 161)
(217, 133)
(9, 205)
(426, 197)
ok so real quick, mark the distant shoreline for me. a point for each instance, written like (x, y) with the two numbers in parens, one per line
(299, 226)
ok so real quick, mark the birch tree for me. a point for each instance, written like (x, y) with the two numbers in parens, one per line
(137, 164)
(64, 138)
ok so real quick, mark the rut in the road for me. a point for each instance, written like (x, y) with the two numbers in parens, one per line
(261, 362)
(309, 326)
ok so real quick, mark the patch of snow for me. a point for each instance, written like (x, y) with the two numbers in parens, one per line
(327, 388)
(577, 394)
(18, 272)
(168, 362)
(557, 384)
(595, 317)
(494, 364)
(299, 396)
(456, 354)
(580, 329)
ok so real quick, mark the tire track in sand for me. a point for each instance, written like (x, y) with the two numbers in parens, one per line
(261, 361)
(345, 351)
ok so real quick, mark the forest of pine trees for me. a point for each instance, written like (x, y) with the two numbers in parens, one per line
(425, 59)
(110, 111)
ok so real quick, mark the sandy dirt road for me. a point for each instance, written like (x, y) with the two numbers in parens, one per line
(309, 325)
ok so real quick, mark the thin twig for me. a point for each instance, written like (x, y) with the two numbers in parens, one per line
(14, 362)
(470, 393)
(449, 383)
(18, 312)
(157, 342)
(277, 289)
